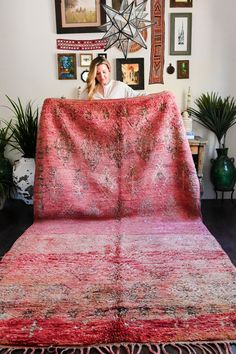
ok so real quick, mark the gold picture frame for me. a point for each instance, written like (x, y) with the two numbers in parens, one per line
(85, 59)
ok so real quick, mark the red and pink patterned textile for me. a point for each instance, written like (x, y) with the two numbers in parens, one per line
(118, 259)
(114, 158)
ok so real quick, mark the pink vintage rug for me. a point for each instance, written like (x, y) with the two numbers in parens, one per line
(117, 260)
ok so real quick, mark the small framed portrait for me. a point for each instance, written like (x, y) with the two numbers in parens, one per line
(131, 72)
(181, 3)
(66, 63)
(180, 33)
(182, 69)
(85, 59)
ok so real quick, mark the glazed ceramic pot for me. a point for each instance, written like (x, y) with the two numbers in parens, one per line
(23, 179)
(223, 171)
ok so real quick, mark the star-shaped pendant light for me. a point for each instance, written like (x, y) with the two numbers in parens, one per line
(125, 26)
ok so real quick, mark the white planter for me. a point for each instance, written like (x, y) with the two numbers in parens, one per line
(23, 179)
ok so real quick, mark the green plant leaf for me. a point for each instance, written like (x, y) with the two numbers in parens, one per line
(24, 128)
(216, 114)
(5, 136)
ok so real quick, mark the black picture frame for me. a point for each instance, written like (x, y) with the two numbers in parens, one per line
(184, 3)
(84, 75)
(78, 27)
(103, 55)
(180, 44)
(131, 72)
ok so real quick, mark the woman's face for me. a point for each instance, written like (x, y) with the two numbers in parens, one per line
(103, 74)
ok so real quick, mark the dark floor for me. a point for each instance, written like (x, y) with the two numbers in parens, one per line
(219, 216)
(15, 218)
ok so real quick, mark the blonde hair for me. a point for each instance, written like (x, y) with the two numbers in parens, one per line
(91, 80)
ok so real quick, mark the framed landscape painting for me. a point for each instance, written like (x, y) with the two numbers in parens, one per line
(79, 16)
(131, 72)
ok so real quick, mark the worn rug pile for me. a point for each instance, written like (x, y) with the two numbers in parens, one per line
(118, 259)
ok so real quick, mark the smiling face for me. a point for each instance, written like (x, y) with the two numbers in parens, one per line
(103, 74)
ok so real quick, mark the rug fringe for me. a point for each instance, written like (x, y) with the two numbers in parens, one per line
(130, 348)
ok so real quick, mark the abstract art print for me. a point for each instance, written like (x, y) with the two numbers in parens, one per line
(66, 66)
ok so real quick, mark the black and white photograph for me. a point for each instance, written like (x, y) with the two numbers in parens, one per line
(180, 33)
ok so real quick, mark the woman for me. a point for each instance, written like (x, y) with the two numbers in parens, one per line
(100, 86)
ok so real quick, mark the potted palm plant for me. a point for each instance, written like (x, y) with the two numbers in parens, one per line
(24, 129)
(5, 165)
(218, 115)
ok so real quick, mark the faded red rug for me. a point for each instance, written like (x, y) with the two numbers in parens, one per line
(118, 259)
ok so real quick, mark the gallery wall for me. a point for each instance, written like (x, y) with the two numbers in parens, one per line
(28, 61)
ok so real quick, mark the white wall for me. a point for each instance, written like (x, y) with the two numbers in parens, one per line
(28, 67)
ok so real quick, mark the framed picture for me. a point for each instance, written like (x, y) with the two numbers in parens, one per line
(131, 72)
(84, 75)
(180, 33)
(66, 63)
(85, 59)
(182, 69)
(76, 16)
(181, 3)
(116, 4)
(104, 55)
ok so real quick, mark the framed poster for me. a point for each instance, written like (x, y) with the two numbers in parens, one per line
(182, 69)
(131, 72)
(180, 33)
(79, 16)
(85, 59)
(181, 3)
(66, 63)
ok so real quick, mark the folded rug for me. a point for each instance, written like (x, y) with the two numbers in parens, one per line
(118, 259)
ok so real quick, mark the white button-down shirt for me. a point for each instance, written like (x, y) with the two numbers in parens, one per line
(114, 89)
